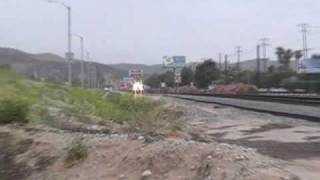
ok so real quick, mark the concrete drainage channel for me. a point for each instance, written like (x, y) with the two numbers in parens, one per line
(287, 110)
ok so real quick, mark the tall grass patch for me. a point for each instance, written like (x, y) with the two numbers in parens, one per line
(13, 110)
(76, 151)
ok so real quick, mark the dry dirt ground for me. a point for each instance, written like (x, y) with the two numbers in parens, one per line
(295, 142)
(219, 143)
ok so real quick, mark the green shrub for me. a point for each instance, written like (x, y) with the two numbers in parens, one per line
(13, 110)
(76, 151)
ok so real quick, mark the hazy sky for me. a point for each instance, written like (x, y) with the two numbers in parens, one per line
(142, 31)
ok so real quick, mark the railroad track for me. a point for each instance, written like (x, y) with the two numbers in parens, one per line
(294, 107)
(287, 99)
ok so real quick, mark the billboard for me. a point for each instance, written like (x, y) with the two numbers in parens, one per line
(174, 61)
(310, 66)
(137, 74)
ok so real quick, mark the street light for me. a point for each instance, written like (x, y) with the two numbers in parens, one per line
(82, 59)
(69, 54)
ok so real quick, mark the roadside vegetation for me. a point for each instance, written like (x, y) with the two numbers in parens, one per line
(13, 110)
(26, 101)
(280, 76)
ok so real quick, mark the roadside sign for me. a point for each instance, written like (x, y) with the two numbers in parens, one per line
(136, 73)
(174, 61)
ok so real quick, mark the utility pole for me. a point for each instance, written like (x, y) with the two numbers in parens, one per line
(304, 30)
(238, 52)
(82, 74)
(264, 44)
(89, 70)
(82, 63)
(220, 61)
(225, 62)
(69, 54)
(94, 76)
(258, 66)
(226, 67)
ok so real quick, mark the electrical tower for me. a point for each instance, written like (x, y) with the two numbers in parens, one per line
(264, 44)
(304, 30)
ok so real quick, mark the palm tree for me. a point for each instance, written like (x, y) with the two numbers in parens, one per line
(297, 55)
(284, 57)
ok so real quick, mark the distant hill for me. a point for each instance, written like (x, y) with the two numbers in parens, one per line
(251, 65)
(53, 67)
(148, 69)
(49, 57)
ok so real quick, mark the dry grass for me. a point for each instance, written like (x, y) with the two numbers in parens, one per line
(160, 120)
(76, 152)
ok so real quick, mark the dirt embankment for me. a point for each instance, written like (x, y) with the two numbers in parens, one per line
(112, 152)
(38, 153)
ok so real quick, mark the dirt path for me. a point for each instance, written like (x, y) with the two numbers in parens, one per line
(294, 141)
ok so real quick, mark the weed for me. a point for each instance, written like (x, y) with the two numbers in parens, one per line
(76, 151)
(160, 120)
(13, 110)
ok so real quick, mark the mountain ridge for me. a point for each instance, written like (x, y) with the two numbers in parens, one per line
(53, 67)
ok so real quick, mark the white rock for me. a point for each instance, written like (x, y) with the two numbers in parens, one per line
(95, 127)
(121, 177)
(192, 168)
(146, 173)
(140, 138)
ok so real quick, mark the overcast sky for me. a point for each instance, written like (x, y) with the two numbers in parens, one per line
(142, 31)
